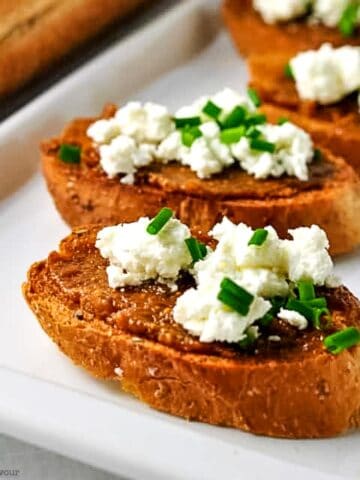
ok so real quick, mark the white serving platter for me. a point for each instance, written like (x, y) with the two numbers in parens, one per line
(46, 400)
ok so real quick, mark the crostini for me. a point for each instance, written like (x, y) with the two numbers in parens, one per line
(238, 328)
(218, 156)
(273, 26)
(318, 90)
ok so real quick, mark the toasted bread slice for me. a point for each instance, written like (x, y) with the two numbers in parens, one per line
(84, 194)
(292, 388)
(252, 35)
(34, 34)
(336, 127)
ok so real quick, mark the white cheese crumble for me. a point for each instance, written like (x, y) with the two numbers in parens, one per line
(264, 271)
(139, 135)
(293, 318)
(328, 74)
(273, 11)
(135, 256)
(294, 151)
(123, 155)
(329, 12)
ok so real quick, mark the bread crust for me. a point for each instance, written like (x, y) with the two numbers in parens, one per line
(336, 127)
(252, 35)
(87, 196)
(37, 33)
(310, 395)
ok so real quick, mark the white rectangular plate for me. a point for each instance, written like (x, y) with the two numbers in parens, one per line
(44, 398)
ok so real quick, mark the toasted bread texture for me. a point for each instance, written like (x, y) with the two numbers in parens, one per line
(252, 35)
(336, 127)
(292, 388)
(84, 194)
(36, 33)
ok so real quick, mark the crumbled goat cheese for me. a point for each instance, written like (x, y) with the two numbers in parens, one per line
(264, 271)
(328, 74)
(123, 155)
(103, 131)
(293, 318)
(206, 156)
(293, 152)
(227, 99)
(142, 134)
(148, 123)
(274, 338)
(273, 11)
(136, 256)
(329, 12)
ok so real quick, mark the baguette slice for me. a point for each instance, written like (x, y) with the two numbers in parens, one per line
(336, 127)
(293, 388)
(84, 194)
(252, 35)
(36, 33)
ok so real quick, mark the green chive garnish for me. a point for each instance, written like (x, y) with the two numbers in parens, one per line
(266, 320)
(158, 222)
(69, 153)
(317, 155)
(212, 110)
(306, 290)
(235, 297)
(255, 119)
(258, 237)
(288, 71)
(232, 135)
(262, 145)
(189, 135)
(197, 249)
(249, 340)
(319, 302)
(282, 120)
(300, 307)
(317, 314)
(235, 117)
(348, 21)
(339, 341)
(187, 122)
(254, 97)
(253, 132)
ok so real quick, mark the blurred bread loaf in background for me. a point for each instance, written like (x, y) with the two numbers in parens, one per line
(34, 34)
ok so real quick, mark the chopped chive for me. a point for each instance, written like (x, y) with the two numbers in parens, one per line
(158, 222)
(348, 21)
(196, 249)
(235, 117)
(69, 153)
(187, 122)
(317, 314)
(339, 341)
(249, 340)
(255, 119)
(262, 145)
(232, 135)
(189, 135)
(319, 302)
(282, 120)
(288, 71)
(317, 155)
(306, 290)
(300, 307)
(258, 237)
(253, 132)
(254, 97)
(266, 320)
(212, 110)
(233, 302)
(234, 296)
